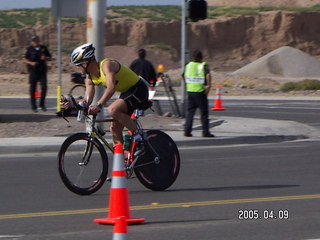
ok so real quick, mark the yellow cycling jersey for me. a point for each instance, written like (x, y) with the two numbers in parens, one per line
(125, 78)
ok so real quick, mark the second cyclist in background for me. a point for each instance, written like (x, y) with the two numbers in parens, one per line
(115, 77)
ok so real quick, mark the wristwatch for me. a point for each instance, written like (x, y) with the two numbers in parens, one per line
(99, 105)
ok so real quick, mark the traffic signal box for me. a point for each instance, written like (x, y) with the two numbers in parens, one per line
(197, 10)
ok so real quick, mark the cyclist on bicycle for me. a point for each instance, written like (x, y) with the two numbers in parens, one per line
(115, 77)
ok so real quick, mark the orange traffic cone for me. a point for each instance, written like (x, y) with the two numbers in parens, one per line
(119, 197)
(218, 102)
(37, 94)
(120, 229)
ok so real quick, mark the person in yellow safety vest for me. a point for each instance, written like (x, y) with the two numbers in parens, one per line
(198, 83)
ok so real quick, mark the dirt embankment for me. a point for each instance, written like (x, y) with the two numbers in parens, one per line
(228, 43)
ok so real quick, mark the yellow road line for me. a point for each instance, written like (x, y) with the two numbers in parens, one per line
(161, 206)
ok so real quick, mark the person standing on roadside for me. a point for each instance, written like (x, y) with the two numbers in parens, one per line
(144, 68)
(198, 83)
(36, 58)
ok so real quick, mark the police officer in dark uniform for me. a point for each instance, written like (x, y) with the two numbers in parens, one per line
(198, 82)
(36, 57)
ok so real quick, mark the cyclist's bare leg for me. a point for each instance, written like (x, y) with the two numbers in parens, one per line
(118, 110)
(116, 129)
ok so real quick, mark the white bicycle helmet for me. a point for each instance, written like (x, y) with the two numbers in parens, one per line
(82, 53)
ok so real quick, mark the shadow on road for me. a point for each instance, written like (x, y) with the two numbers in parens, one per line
(10, 118)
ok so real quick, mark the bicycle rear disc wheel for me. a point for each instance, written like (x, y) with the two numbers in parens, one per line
(83, 164)
(158, 175)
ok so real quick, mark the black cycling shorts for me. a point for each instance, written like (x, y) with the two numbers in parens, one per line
(136, 96)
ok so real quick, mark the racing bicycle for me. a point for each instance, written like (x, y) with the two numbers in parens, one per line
(83, 160)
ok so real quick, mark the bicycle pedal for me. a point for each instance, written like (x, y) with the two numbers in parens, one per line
(109, 179)
(139, 152)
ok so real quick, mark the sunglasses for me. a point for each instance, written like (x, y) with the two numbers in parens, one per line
(81, 63)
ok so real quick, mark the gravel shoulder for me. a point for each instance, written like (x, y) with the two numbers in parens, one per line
(24, 123)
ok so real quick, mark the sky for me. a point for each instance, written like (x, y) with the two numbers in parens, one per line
(11, 4)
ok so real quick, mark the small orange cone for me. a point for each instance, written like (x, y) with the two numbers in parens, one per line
(218, 102)
(119, 197)
(37, 94)
(120, 229)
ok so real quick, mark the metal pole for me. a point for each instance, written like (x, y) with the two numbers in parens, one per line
(96, 10)
(59, 43)
(184, 53)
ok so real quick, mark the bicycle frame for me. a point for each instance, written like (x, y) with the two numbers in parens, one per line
(153, 148)
(131, 156)
(141, 158)
(92, 131)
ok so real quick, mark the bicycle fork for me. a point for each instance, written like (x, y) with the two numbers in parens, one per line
(87, 153)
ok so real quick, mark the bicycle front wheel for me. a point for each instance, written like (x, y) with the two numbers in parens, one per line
(158, 168)
(83, 164)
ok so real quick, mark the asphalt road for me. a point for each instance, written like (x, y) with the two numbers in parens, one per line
(218, 189)
(303, 111)
(217, 192)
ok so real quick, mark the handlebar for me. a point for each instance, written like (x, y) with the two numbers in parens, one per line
(80, 108)
(77, 105)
